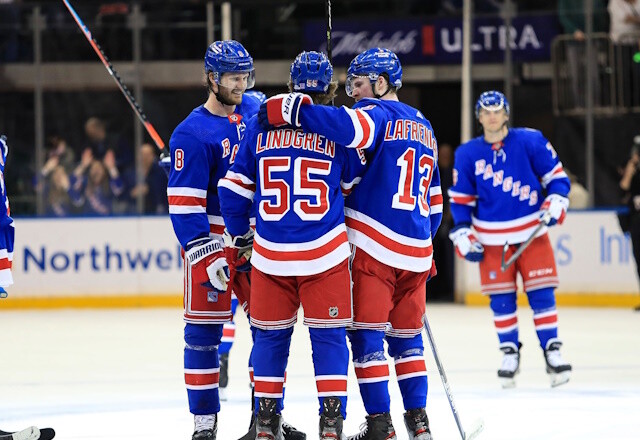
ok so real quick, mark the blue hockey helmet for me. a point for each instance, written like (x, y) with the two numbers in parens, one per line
(492, 100)
(311, 72)
(372, 63)
(229, 56)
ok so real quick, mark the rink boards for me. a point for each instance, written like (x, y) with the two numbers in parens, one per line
(135, 261)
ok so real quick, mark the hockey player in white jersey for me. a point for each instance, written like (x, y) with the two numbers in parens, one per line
(505, 183)
(391, 217)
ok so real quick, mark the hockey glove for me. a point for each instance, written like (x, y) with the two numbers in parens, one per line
(282, 109)
(238, 250)
(466, 243)
(554, 209)
(207, 254)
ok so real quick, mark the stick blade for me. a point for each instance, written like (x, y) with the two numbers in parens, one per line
(476, 429)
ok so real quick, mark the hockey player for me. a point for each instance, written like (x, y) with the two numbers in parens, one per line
(496, 198)
(391, 217)
(202, 147)
(300, 253)
(7, 234)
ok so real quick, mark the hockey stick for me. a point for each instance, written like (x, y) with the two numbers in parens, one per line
(329, 29)
(504, 265)
(31, 433)
(123, 88)
(478, 425)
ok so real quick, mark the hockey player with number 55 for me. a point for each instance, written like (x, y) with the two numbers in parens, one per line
(300, 254)
(499, 182)
(391, 217)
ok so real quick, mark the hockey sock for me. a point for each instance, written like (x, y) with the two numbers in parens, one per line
(504, 317)
(411, 371)
(201, 367)
(545, 315)
(229, 330)
(270, 355)
(331, 364)
(372, 369)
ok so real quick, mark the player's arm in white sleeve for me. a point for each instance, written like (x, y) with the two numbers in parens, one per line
(187, 188)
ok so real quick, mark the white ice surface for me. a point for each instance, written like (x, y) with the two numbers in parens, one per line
(118, 374)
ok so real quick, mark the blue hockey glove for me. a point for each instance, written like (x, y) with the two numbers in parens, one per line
(3, 293)
(466, 243)
(282, 109)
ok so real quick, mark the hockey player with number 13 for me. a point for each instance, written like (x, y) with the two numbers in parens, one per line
(497, 198)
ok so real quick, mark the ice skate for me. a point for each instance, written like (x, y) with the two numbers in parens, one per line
(510, 364)
(417, 424)
(559, 370)
(268, 423)
(224, 376)
(376, 427)
(206, 427)
(31, 433)
(289, 432)
(331, 420)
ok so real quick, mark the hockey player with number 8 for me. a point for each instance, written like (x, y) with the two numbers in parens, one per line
(497, 198)
(391, 217)
(202, 147)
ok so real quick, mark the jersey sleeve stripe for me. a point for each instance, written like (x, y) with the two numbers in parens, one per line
(177, 209)
(187, 191)
(187, 201)
(364, 129)
(238, 187)
(557, 172)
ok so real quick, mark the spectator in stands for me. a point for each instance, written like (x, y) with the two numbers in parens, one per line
(56, 193)
(94, 184)
(630, 184)
(58, 150)
(625, 34)
(572, 17)
(152, 184)
(95, 131)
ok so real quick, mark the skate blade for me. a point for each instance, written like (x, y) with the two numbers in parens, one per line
(560, 378)
(507, 382)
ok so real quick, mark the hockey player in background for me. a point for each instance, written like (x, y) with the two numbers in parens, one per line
(202, 147)
(300, 253)
(498, 196)
(391, 217)
(7, 234)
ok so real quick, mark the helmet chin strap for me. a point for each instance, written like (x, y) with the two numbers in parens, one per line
(374, 89)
